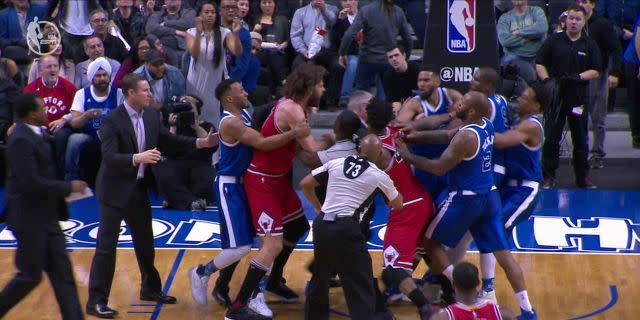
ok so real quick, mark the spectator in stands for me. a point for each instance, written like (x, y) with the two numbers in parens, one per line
(8, 93)
(67, 67)
(166, 81)
(243, 11)
(90, 105)
(94, 49)
(13, 28)
(258, 94)
(380, 22)
(562, 23)
(170, 27)
(621, 13)
(57, 95)
(237, 67)
(9, 69)
(572, 59)
(205, 43)
(521, 32)
(113, 47)
(135, 60)
(72, 17)
(149, 7)
(346, 16)
(601, 31)
(402, 79)
(185, 180)
(129, 20)
(274, 30)
(358, 105)
(632, 59)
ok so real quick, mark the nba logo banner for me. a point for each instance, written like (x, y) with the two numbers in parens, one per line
(461, 26)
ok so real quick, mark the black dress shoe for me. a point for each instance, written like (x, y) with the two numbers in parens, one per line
(158, 297)
(101, 311)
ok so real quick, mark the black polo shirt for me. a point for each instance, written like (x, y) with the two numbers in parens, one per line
(563, 57)
(399, 86)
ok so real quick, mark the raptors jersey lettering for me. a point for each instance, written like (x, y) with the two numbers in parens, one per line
(484, 310)
(277, 161)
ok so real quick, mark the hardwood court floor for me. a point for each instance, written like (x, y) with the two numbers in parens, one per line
(561, 286)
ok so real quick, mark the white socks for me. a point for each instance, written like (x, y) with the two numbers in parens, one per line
(523, 300)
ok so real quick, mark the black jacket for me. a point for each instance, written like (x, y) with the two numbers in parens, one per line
(601, 31)
(35, 199)
(117, 176)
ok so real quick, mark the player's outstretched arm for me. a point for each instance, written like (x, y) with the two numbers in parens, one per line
(294, 116)
(409, 110)
(526, 132)
(451, 157)
(253, 138)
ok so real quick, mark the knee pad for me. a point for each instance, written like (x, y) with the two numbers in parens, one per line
(394, 276)
(295, 229)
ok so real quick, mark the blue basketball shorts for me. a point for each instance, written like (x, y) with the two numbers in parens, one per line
(236, 229)
(519, 199)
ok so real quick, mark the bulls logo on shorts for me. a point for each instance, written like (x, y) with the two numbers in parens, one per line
(390, 255)
(265, 221)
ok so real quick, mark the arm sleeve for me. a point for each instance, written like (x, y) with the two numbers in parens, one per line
(405, 34)
(540, 26)
(153, 26)
(505, 37)
(187, 20)
(22, 160)
(78, 101)
(330, 15)
(239, 71)
(111, 155)
(614, 50)
(594, 59)
(544, 55)
(297, 33)
(385, 184)
(321, 174)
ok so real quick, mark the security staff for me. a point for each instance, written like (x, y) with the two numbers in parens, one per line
(352, 183)
(572, 59)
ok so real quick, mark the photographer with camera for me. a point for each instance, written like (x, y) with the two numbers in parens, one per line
(185, 179)
(166, 81)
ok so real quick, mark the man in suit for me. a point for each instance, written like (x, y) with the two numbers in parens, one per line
(35, 203)
(131, 136)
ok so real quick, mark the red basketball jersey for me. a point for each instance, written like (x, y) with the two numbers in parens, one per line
(484, 310)
(277, 161)
(400, 171)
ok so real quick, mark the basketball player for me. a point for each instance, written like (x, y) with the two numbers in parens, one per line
(432, 100)
(473, 203)
(468, 306)
(406, 226)
(237, 140)
(275, 208)
(522, 147)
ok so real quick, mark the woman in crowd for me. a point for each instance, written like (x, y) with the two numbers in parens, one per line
(140, 47)
(67, 67)
(275, 40)
(205, 44)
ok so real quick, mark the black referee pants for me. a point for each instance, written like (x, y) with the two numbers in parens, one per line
(578, 125)
(340, 246)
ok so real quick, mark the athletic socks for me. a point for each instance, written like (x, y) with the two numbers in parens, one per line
(224, 278)
(523, 300)
(254, 274)
(209, 269)
(487, 284)
(417, 297)
(278, 267)
(448, 272)
(488, 267)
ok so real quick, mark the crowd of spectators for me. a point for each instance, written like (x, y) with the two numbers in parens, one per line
(187, 47)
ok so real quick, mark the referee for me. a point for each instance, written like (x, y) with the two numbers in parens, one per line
(339, 245)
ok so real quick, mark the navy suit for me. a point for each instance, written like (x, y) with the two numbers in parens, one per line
(35, 203)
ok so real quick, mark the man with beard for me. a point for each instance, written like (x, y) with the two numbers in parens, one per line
(57, 94)
(166, 81)
(275, 208)
(432, 106)
(94, 49)
(474, 203)
(90, 106)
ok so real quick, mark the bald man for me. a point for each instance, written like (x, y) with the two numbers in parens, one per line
(338, 242)
(473, 204)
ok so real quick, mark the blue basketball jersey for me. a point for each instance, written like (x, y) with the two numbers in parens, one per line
(93, 125)
(433, 151)
(522, 161)
(475, 173)
(236, 157)
(499, 119)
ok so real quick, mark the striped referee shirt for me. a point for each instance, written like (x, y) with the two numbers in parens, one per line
(352, 184)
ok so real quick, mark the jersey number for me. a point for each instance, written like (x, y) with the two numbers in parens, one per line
(354, 167)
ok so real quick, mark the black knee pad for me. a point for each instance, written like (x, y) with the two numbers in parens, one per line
(394, 276)
(295, 229)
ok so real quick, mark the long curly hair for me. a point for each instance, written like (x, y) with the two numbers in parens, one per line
(301, 82)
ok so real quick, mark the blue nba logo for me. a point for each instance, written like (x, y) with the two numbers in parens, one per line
(461, 26)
